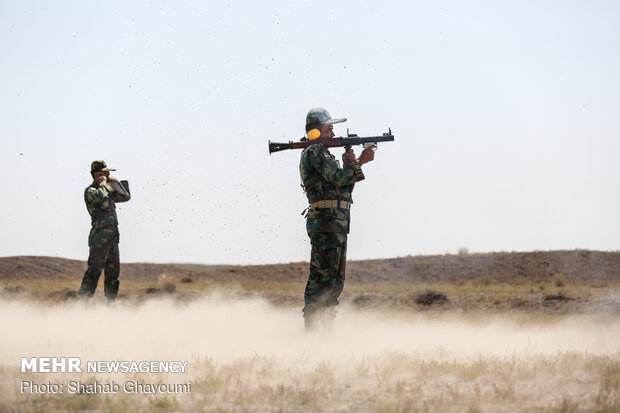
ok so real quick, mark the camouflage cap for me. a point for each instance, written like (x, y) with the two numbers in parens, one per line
(100, 166)
(319, 116)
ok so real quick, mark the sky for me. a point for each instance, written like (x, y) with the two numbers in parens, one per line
(505, 116)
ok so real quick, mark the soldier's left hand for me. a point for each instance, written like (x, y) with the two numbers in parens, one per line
(367, 155)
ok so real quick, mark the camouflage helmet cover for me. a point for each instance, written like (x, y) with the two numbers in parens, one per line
(100, 166)
(320, 116)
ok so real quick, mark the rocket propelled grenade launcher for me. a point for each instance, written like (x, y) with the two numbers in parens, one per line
(350, 140)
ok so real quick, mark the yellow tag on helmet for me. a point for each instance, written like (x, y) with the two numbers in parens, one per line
(314, 134)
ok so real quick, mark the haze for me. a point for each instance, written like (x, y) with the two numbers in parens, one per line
(505, 117)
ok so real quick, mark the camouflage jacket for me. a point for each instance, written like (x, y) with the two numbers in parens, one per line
(323, 178)
(101, 205)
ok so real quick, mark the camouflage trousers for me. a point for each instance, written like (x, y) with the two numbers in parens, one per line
(103, 256)
(326, 280)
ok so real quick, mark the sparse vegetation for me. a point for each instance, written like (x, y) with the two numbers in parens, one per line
(433, 296)
(556, 282)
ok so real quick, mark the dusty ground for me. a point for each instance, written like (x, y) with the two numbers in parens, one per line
(467, 333)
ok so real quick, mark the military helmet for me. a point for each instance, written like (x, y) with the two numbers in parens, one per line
(319, 116)
(100, 166)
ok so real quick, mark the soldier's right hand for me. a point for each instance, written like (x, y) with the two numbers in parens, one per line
(101, 179)
(348, 157)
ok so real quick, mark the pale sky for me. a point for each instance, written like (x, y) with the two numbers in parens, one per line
(505, 113)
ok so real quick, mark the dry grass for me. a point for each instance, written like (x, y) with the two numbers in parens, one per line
(248, 356)
(469, 296)
(535, 332)
(394, 382)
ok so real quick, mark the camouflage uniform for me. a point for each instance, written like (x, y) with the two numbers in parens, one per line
(102, 240)
(324, 179)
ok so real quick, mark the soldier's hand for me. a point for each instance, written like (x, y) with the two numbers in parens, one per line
(348, 157)
(101, 179)
(112, 179)
(367, 155)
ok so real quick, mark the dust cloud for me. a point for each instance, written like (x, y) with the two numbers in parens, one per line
(249, 344)
(225, 329)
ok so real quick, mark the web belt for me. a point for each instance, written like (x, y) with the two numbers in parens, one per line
(331, 203)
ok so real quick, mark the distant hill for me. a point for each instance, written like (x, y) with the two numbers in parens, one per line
(575, 266)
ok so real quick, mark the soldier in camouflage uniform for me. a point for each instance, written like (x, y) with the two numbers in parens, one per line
(100, 198)
(328, 188)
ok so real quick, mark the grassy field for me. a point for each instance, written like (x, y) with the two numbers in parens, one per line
(468, 344)
(391, 383)
(245, 354)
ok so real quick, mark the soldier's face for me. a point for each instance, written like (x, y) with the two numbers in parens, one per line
(101, 173)
(327, 131)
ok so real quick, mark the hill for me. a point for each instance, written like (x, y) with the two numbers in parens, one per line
(575, 281)
(576, 266)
